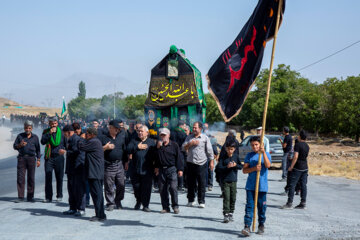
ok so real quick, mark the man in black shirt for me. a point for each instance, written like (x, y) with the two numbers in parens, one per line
(94, 170)
(142, 167)
(54, 140)
(115, 158)
(299, 171)
(75, 171)
(28, 146)
(169, 166)
(286, 144)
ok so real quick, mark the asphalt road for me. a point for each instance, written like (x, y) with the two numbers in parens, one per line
(332, 213)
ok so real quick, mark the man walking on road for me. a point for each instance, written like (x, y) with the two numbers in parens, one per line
(75, 171)
(115, 158)
(286, 144)
(142, 167)
(199, 151)
(28, 146)
(94, 169)
(299, 171)
(54, 142)
(169, 166)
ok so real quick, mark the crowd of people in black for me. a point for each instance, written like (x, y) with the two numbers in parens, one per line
(99, 156)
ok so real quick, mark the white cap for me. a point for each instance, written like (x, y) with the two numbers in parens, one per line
(259, 128)
(164, 131)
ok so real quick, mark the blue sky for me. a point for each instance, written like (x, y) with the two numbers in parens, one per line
(44, 44)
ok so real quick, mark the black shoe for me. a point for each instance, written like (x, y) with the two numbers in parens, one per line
(30, 200)
(97, 219)
(109, 208)
(46, 201)
(19, 200)
(246, 231)
(287, 206)
(69, 212)
(301, 206)
(119, 206)
(297, 192)
(137, 206)
(146, 209)
(261, 229)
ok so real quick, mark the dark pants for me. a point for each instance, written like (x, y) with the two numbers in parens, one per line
(168, 183)
(284, 165)
(229, 197)
(287, 187)
(295, 177)
(249, 208)
(56, 164)
(210, 176)
(76, 184)
(196, 178)
(26, 164)
(87, 192)
(142, 185)
(96, 191)
(114, 175)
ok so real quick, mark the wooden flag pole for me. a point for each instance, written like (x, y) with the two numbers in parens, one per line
(265, 112)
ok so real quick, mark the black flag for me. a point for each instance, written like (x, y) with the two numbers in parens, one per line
(233, 74)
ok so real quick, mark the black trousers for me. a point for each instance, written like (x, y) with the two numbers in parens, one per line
(96, 192)
(168, 183)
(114, 175)
(297, 176)
(77, 190)
(26, 164)
(196, 178)
(142, 185)
(55, 164)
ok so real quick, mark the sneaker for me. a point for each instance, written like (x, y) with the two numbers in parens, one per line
(79, 213)
(231, 217)
(261, 229)
(19, 200)
(69, 212)
(46, 201)
(246, 231)
(59, 199)
(287, 206)
(301, 206)
(164, 211)
(146, 209)
(176, 210)
(202, 205)
(210, 188)
(109, 208)
(137, 206)
(191, 204)
(226, 218)
(30, 200)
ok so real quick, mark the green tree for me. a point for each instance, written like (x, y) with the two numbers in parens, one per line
(82, 90)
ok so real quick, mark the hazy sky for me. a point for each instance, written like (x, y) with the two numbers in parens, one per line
(44, 43)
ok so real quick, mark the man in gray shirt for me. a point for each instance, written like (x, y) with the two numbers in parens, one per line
(200, 152)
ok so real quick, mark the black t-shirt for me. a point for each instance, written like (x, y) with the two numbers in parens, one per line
(303, 149)
(288, 141)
